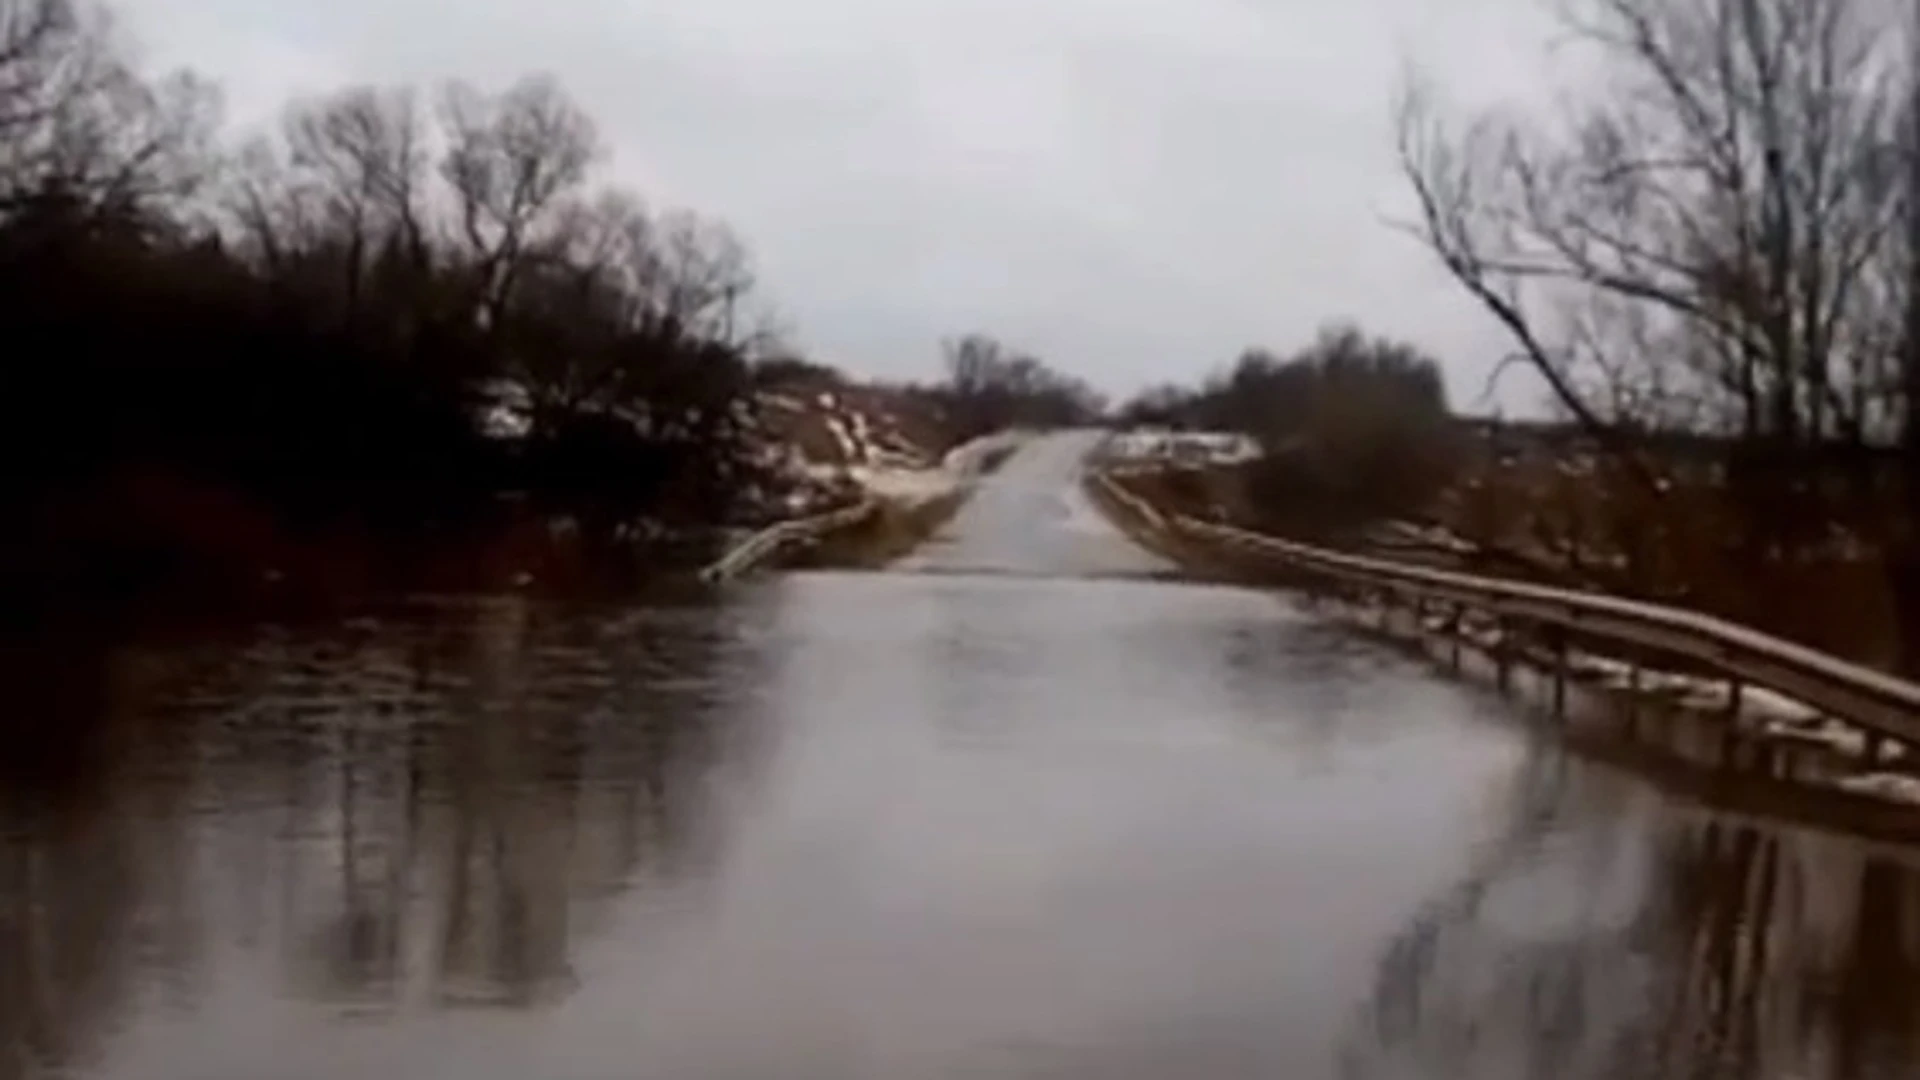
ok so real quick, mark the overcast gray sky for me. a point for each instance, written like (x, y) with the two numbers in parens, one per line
(1132, 189)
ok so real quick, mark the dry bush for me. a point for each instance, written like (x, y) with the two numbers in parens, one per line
(1595, 524)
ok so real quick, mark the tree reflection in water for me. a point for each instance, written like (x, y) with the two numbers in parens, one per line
(70, 864)
(426, 805)
(435, 805)
(1604, 945)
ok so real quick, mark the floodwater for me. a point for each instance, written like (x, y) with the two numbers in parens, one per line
(1026, 823)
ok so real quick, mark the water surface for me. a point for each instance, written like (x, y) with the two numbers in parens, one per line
(841, 826)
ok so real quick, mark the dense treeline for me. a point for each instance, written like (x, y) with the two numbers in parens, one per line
(989, 386)
(1353, 427)
(1719, 238)
(396, 311)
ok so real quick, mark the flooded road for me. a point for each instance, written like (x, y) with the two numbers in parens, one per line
(938, 825)
(1031, 517)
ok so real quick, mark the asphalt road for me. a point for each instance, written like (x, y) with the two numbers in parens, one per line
(1032, 518)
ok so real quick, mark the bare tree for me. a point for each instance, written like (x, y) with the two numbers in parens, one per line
(367, 152)
(1900, 297)
(272, 212)
(345, 185)
(973, 362)
(990, 386)
(441, 279)
(1721, 199)
(512, 160)
(699, 276)
(582, 296)
(80, 128)
(38, 42)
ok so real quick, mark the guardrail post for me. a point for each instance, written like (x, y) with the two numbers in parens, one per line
(1732, 741)
(1560, 673)
(1634, 670)
(1503, 654)
(1875, 746)
(1456, 629)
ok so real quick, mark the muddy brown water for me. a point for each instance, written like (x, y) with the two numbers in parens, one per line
(1057, 818)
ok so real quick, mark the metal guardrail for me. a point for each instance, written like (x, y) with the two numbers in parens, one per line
(962, 463)
(1880, 703)
(768, 542)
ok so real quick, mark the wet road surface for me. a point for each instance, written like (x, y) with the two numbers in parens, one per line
(1015, 824)
(1031, 517)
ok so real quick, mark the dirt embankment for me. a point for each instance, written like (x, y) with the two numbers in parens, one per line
(834, 443)
(908, 506)
(830, 442)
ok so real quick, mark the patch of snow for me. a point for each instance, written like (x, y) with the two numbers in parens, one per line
(860, 435)
(849, 452)
(911, 486)
(1832, 734)
(1433, 536)
(1894, 787)
(1771, 704)
(1693, 691)
(1216, 447)
(505, 422)
(1586, 663)
(1488, 638)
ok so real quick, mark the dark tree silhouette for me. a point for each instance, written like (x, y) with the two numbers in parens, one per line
(991, 387)
(380, 316)
(1353, 428)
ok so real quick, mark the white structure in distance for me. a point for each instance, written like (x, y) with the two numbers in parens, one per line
(1192, 447)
